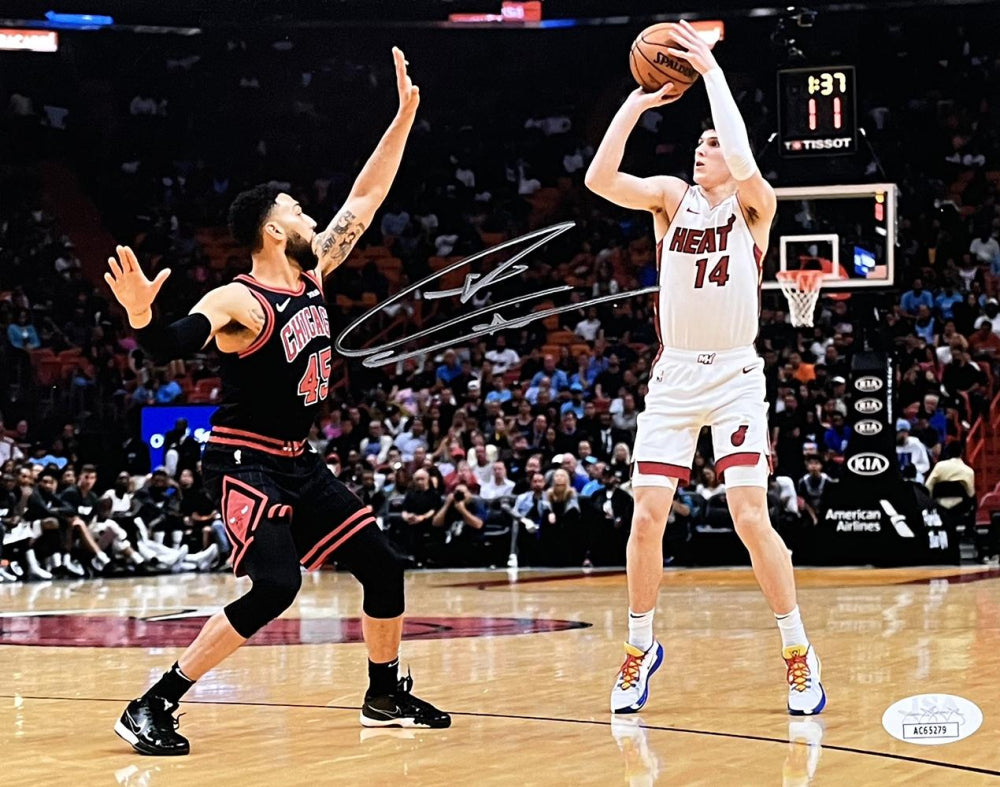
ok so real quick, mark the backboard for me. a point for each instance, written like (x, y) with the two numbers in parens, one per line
(848, 231)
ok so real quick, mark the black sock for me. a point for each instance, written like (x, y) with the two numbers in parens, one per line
(382, 678)
(172, 686)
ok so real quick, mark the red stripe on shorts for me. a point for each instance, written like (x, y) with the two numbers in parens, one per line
(746, 459)
(665, 469)
(318, 562)
(308, 557)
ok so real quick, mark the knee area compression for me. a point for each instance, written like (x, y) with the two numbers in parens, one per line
(379, 571)
(265, 600)
(748, 475)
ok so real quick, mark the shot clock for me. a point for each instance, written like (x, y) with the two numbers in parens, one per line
(816, 111)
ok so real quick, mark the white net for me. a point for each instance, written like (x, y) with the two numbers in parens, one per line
(801, 288)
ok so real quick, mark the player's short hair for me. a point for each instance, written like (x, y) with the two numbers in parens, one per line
(248, 213)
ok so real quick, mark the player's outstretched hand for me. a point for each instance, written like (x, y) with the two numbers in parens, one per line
(129, 284)
(658, 98)
(696, 51)
(409, 94)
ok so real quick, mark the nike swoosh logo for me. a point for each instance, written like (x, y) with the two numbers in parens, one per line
(389, 714)
(692, 210)
(281, 306)
(750, 368)
(136, 728)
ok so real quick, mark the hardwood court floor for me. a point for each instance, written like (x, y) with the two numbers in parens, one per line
(529, 708)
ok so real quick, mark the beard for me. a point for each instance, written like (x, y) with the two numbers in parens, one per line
(300, 250)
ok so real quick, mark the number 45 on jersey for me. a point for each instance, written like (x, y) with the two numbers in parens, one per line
(315, 382)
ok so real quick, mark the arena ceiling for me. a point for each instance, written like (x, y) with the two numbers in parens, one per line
(202, 13)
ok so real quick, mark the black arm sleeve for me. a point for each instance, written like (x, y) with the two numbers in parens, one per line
(177, 340)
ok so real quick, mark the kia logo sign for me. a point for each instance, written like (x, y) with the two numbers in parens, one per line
(868, 406)
(868, 464)
(868, 384)
(867, 428)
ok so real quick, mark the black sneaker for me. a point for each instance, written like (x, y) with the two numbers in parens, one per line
(402, 709)
(149, 725)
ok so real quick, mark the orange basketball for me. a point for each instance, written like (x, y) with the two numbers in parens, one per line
(653, 66)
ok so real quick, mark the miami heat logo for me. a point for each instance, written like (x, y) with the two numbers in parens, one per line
(740, 435)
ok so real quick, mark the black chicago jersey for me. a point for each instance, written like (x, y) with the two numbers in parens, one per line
(274, 386)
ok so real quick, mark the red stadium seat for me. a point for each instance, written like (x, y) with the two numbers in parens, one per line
(989, 503)
(203, 390)
(48, 371)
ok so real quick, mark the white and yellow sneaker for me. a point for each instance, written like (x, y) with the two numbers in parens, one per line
(805, 692)
(632, 685)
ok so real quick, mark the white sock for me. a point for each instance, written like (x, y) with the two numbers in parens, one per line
(791, 628)
(640, 629)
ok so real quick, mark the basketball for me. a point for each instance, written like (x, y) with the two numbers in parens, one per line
(653, 66)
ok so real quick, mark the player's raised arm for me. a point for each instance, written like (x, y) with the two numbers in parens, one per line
(604, 176)
(333, 244)
(754, 191)
(190, 334)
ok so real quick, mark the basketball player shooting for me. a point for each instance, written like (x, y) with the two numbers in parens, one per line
(282, 507)
(710, 240)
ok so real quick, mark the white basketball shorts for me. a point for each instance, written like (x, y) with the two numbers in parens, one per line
(688, 390)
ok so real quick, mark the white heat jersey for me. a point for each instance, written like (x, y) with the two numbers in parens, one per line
(709, 277)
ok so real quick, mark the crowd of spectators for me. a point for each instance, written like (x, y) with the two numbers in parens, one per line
(511, 446)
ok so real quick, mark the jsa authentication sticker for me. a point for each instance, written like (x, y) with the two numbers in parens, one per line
(932, 719)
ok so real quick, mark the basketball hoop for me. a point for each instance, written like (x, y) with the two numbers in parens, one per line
(801, 288)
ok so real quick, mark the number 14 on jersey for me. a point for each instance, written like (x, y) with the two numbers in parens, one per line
(719, 275)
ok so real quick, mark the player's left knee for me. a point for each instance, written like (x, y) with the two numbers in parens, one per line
(749, 513)
(751, 521)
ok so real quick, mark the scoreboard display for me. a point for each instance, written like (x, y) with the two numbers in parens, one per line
(816, 111)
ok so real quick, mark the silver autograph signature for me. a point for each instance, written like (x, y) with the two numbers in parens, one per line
(382, 355)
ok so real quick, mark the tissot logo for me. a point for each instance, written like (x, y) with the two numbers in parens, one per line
(868, 464)
(868, 406)
(828, 143)
(868, 427)
(868, 384)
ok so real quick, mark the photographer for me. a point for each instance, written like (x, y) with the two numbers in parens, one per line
(463, 515)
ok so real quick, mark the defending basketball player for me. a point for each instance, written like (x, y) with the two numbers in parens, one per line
(282, 507)
(710, 239)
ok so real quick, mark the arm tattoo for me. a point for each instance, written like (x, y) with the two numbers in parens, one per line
(343, 223)
(343, 234)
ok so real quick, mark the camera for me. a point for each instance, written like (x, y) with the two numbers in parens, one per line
(459, 496)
